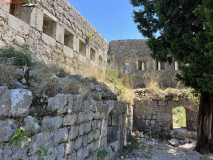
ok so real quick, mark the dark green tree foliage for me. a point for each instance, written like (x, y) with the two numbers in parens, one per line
(183, 29)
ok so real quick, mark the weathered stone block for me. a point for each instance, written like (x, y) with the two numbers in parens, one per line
(60, 135)
(70, 146)
(8, 128)
(30, 122)
(81, 129)
(87, 128)
(58, 103)
(77, 104)
(89, 105)
(80, 154)
(73, 156)
(21, 100)
(90, 115)
(81, 117)
(73, 132)
(60, 33)
(44, 139)
(48, 40)
(4, 101)
(68, 52)
(84, 139)
(18, 25)
(52, 122)
(90, 137)
(78, 142)
(60, 152)
(19, 153)
(70, 120)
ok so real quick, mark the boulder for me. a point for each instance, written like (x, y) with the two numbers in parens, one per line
(173, 142)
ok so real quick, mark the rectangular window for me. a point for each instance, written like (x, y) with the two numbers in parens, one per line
(49, 26)
(126, 68)
(82, 48)
(141, 65)
(22, 13)
(68, 39)
(92, 54)
(160, 65)
(177, 65)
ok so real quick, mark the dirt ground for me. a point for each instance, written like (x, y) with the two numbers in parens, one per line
(160, 150)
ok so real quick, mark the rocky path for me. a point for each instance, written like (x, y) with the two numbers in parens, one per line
(155, 150)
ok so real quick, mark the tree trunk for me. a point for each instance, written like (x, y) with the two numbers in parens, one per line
(205, 125)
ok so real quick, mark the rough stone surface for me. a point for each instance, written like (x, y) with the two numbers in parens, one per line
(52, 122)
(173, 142)
(21, 101)
(75, 135)
(8, 128)
(4, 101)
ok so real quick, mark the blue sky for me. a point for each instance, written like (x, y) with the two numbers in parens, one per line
(112, 18)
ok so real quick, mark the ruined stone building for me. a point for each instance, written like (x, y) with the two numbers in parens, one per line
(58, 34)
(132, 57)
(55, 31)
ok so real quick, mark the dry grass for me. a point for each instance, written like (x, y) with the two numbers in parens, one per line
(127, 97)
(7, 75)
(151, 80)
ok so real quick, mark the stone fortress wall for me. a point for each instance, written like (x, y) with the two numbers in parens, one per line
(55, 31)
(135, 52)
(72, 128)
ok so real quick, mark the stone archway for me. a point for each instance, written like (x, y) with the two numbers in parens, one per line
(113, 126)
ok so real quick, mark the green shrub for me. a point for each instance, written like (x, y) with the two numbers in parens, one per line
(161, 134)
(112, 76)
(132, 145)
(22, 55)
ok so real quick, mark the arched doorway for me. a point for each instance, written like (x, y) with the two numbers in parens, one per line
(113, 126)
(179, 117)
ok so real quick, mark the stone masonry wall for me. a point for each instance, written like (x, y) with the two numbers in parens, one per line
(156, 113)
(55, 32)
(72, 128)
(136, 51)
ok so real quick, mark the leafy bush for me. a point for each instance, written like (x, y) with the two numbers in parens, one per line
(112, 76)
(132, 145)
(161, 134)
(22, 55)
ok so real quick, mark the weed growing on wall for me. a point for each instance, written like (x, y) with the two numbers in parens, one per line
(42, 153)
(102, 154)
(22, 135)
